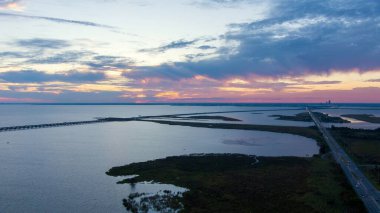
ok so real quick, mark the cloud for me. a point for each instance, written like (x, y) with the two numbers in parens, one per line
(206, 47)
(171, 71)
(226, 1)
(13, 54)
(196, 56)
(172, 45)
(37, 55)
(64, 57)
(320, 82)
(10, 5)
(38, 43)
(21, 100)
(222, 3)
(168, 95)
(33, 76)
(104, 62)
(64, 97)
(300, 37)
(56, 20)
(7, 2)
(374, 80)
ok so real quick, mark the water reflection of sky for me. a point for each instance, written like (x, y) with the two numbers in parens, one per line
(64, 168)
(70, 162)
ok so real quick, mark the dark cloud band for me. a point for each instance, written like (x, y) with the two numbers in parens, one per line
(172, 45)
(301, 37)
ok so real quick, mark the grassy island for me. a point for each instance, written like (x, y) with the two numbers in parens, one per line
(309, 132)
(364, 117)
(222, 118)
(305, 117)
(234, 182)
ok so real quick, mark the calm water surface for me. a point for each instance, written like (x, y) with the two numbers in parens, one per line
(63, 169)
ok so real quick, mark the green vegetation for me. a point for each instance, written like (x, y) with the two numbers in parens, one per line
(363, 146)
(305, 117)
(329, 187)
(222, 118)
(230, 182)
(364, 117)
(310, 132)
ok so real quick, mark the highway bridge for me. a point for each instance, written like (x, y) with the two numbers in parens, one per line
(50, 125)
(114, 119)
(362, 186)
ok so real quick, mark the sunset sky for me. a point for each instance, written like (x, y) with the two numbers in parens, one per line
(189, 51)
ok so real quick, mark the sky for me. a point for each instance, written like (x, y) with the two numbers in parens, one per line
(146, 51)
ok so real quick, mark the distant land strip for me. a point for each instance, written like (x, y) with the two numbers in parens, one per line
(115, 119)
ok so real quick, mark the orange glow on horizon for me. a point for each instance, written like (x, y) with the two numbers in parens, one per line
(13, 6)
(246, 90)
(168, 95)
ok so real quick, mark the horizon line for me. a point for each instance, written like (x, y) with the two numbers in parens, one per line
(179, 103)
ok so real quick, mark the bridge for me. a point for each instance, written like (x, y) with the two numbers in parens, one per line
(359, 182)
(362, 186)
(49, 125)
(114, 119)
